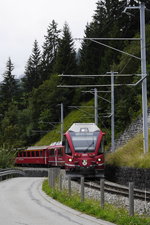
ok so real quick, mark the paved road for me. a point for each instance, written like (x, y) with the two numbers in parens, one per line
(22, 202)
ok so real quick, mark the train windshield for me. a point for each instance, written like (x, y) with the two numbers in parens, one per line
(84, 142)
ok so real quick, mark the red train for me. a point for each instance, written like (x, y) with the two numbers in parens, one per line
(84, 150)
(51, 155)
(81, 153)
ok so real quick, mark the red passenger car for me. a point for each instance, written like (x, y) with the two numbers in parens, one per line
(84, 150)
(56, 155)
(51, 155)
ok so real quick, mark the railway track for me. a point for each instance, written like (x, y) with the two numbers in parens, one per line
(109, 187)
(117, 189)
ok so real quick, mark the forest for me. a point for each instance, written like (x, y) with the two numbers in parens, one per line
(29, 105)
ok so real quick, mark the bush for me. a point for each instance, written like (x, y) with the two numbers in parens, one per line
(7, 156)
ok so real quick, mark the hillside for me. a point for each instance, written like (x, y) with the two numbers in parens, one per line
(72, 117)
(131, 154)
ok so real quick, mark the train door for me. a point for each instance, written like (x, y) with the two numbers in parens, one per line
(56, 156)
(60, 157)
(51, 157)
(45, 157)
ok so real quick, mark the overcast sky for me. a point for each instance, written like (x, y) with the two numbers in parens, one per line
(23, 21)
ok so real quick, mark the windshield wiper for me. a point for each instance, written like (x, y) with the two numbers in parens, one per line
(86, 150)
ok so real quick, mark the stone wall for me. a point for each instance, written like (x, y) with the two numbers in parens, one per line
(36, 172)
(130, 132)
(124, 175)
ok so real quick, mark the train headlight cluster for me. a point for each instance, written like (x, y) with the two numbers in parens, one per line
(70, 160)
(99, 160)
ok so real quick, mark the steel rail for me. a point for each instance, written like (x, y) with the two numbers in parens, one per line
(118, 189)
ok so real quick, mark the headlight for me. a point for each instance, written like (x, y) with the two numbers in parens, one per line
(70, 160)
(99, 160)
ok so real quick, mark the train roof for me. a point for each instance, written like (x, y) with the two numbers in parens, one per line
(37, 147)
(58, 143)
(84, 127)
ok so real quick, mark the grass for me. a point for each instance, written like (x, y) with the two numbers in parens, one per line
(91, 207)
(131, 154)
(73, 117)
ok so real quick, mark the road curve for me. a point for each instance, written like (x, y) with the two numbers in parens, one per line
(24, 203)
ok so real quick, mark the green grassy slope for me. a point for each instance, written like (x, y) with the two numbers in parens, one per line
(73, 117)
(131, 154)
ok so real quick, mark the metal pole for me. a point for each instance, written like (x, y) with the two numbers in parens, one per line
(112, 114)
(62, 122)
(96, 106)
(143, 72)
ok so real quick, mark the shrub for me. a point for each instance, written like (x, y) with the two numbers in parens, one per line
(7, 156)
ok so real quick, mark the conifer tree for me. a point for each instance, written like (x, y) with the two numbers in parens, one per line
(9, 84)
(49, 49)
(33, 69)
(108, 21)
(91, 53)
(66, 55)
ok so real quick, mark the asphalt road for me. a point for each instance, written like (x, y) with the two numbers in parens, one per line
(22, 202)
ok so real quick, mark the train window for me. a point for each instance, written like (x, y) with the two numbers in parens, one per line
(37, 153)
(51, 152)
(32, 154)
(101, 148)
(40, 153)
(67, 149)
(24, 154)
(84, 142)
(28, 154)
(60, 152)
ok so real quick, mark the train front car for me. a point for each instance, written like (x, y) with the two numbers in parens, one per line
(84, 150)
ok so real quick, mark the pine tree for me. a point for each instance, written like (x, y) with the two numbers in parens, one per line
(9, 84)
(66, 55)
(108, 21)
(91, 53)
(66, 61)
(33, 69)
(50, 49)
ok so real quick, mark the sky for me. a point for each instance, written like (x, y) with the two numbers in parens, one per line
(23, 21)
